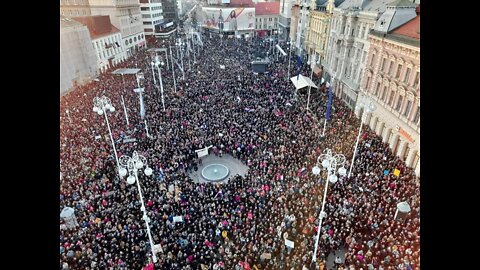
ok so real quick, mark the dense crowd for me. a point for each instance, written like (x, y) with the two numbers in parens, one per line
(240, 224)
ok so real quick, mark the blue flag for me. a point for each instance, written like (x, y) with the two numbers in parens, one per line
(329, 104)
(299, 63)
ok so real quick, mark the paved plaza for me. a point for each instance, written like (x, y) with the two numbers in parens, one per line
(235, 166)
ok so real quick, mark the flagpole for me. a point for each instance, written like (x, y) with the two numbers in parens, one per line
(289, 59)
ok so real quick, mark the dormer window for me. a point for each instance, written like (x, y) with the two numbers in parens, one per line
(382, 22)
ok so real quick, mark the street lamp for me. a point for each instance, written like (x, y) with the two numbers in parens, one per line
(368, 106)
(179, 43)
(123, 101)
(173, 70)
(140, 90)
(157, 63)
(291, 42)
(329, 161)
(313, 61)
(101, 105)
(132, 165)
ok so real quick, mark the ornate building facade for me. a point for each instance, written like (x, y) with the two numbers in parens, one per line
(392, 80)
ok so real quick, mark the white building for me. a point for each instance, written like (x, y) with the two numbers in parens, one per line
(106, 39)
(285, 18)
(348, 45)
(152, 15)
(302, 23)
(124, 15)
(77, 55)
(266, 17)
(74, 8)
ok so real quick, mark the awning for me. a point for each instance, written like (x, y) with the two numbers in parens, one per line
(302, 82)
(126, 71)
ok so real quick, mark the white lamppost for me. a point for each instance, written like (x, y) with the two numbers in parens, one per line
(68, 115)
(157, 63)
(368, 106)
(289, 58)
(173, 71)
(101, 105)
(180, 45)
(193, 44)
(140, 90)
(313, 61)
(329, 161)
(123, 101)
(131, 165)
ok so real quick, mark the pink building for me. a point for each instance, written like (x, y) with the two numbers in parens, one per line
(392, 80)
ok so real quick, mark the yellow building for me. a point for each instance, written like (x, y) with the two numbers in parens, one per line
(319, 27)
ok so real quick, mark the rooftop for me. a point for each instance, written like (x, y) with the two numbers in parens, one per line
(267, 8)
(410, 29)
(98, 26)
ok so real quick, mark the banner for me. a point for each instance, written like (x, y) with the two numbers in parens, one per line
(202, 152)
(289, 243)
(329, 104)
(396, 172)
(233, 18)
(178, 219)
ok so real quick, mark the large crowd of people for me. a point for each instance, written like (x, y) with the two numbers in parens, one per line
(243, 223)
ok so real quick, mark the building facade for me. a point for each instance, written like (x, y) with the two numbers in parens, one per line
(74, 8)
(285, 18)
(348, 45)
(152, 15)
(302, 22)
(319, 28)
(78, 64)
(266, 17)
(170, 10)
(106, 39)
(392, 80)
(124, 15)
(295, 13)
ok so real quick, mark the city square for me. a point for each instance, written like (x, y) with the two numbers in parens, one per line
(214, 147)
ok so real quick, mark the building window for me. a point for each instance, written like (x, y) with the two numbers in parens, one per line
(384, 93)
(126, 42)
(382, 66)
(390, 68)
(390, 99)
(417, 78)
(417, 116)
(130, 40)
(368, 81)
(399, 103)
(407, 76)
(408, 107)
(372, 59)
(399, 70)
(377, 89)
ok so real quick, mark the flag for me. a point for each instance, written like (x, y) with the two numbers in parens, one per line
(299, 63)
(386, 172)
(160, 175)
(329, 104)
(396, 172)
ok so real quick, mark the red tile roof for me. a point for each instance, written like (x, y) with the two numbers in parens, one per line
(241, 3)
(267, 8)
(410, 29)
(98, 26)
